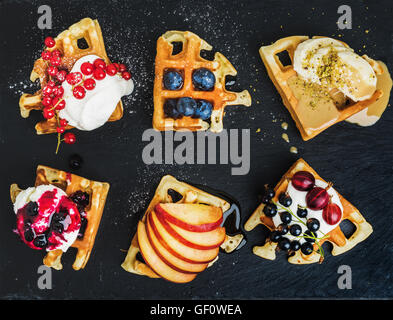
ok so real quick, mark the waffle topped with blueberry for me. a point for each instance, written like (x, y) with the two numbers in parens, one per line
(302, 212)
(190, 91)
(85, 197)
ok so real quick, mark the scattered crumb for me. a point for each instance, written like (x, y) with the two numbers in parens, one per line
(285, 137)
(293, 149)
(284, 125)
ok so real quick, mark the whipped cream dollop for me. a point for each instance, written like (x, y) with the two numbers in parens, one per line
(330, 63)
(39, 211)
(299, 199)
(97, 106)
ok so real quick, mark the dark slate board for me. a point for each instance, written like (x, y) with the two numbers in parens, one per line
(358, 160)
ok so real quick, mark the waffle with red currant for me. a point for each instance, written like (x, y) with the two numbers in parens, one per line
(296, 211)
(190, 91)
(53, 68)
(280, 74)
(178, 268)
(89, 197)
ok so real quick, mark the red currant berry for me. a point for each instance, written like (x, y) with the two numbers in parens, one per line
(99, 63)
(59, 103)
(99, 74)
(87, 68)
(111, 70)
(55, 61)
(47, 90)
(52, 70)
(122, 67)
(51, 83)
(117, 66)
(60, 129)
(46, 101)
(58, 91)
(79, 92)
(126, 75)
(74, 78)
(50, 42)
(61, 76)
(56, 53)
(89, 84)
(46, 55)
(48, 113)
(63, 122)
(69, 138)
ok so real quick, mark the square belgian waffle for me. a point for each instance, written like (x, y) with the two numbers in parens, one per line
(280, 75)
(336, 237)
(168, 191)
(187, 61)
(67, 43)
(71, 183)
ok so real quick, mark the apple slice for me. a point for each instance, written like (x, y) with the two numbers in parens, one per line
(177, 248)
(171, 260)
(190, 216)
(154, 261)
(197, 240)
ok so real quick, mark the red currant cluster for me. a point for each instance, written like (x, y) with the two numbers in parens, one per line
(52, 93)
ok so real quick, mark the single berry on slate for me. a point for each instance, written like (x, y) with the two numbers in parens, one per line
(170, 109)
(186, 106)
(69, 138)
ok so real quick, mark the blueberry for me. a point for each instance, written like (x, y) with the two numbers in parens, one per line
(203, 110)
(295, 245)
(306, 248)
(75, 162)
(40, 241)
(313, 224)
(269, 193)
(82, 228)
(57, 226)
(302, 212)
(295, 230)
(173, 80)
(186, 106)
(270, 210)
(275, 236)
(283, 228)
(203, 79)
(285, 199)
(285, 217)
(284, 244)
(32, 209)
(59, 216)
(170, 109)
(29, 235)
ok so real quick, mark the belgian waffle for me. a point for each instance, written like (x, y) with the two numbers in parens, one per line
(71, 183)
(189, 194)
(336, 237)
(280, 74)
(186, 61)
(67, 43)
